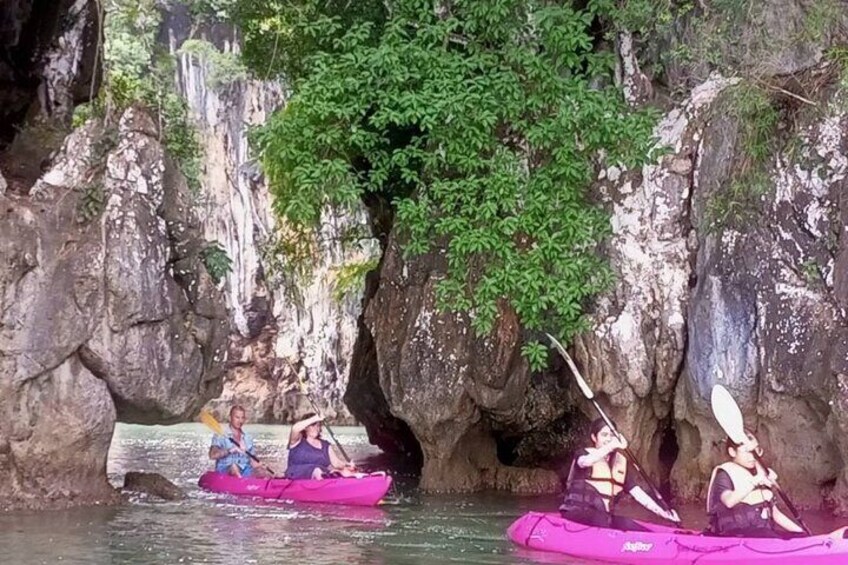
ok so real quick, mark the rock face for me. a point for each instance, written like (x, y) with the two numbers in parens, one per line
(47, 67)
(287, 326)
(152, 484)
(634, 353)
(755, 304)
(767, 315)
(450, 388)
(48, 61)
(103, 315)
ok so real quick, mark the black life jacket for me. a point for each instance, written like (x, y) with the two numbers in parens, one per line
(595, 488)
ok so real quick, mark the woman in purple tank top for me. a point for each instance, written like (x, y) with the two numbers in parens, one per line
(311, 457)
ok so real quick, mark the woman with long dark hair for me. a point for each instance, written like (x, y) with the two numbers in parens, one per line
(597, 476)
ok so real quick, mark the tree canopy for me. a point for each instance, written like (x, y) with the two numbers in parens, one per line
(482, 123)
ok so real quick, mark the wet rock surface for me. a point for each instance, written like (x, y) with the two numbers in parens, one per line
(94, 326)
(152, 484)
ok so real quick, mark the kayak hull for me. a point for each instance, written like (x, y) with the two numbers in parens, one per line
(365, 491)
(664, 545)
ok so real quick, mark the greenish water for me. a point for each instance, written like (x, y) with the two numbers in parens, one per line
(209, 528)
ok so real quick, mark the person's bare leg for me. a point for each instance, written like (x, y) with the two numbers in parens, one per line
(317, 474)
(234, 470)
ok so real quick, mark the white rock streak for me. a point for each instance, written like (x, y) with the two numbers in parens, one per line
(316, 332)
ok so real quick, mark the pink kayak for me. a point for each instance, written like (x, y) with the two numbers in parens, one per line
(665, 545)
(364, 491)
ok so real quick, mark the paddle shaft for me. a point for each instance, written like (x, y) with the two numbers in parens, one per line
(780, 492)
(327, 426)
(632, 458)
(249, 454)
(305, 389)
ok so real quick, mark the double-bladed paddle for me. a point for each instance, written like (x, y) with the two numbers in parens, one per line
(729, 417)
(209, 420)
(587, 392)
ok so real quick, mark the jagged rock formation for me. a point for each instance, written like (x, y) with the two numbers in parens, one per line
(756, 304)
(104, 316)
(287, 327)
(152, 484)
(451, 388)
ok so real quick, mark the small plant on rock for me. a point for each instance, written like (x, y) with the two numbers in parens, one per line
(216, 260)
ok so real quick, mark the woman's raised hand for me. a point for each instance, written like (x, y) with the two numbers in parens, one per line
(617, 444)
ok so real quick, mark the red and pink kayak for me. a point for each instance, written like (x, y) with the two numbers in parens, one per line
(364, 491)
(664, 545)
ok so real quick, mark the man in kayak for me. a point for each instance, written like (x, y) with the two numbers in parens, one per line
(598, 475)
(740, 501)
(232, 457)
(311, 457)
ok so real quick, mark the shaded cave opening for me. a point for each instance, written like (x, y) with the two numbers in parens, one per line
(551, 447)
(669, 449)
(364, 398)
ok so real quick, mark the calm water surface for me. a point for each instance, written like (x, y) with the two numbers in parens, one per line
(209, 528)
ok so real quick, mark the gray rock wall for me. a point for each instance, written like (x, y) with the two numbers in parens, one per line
(94, 323)
(285, 327)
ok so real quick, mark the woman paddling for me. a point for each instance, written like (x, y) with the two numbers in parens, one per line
(311, 457)
(598, 475)
(740, 501)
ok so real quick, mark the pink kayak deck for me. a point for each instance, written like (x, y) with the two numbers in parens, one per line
(365, 491)
(664, 545)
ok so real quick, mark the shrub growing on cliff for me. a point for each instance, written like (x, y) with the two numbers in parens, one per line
(735, 204)
(350, 278)
(218, 264)
(480, 121)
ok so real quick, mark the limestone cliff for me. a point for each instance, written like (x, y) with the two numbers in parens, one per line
(729, 270)
(286, 327)
(719, 280)
(106, 310)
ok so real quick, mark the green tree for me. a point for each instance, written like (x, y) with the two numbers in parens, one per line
(281, 35)
(137, 70)
(482, 122)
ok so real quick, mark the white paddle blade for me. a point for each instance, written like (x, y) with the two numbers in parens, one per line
(727, 413)
(584, 387)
